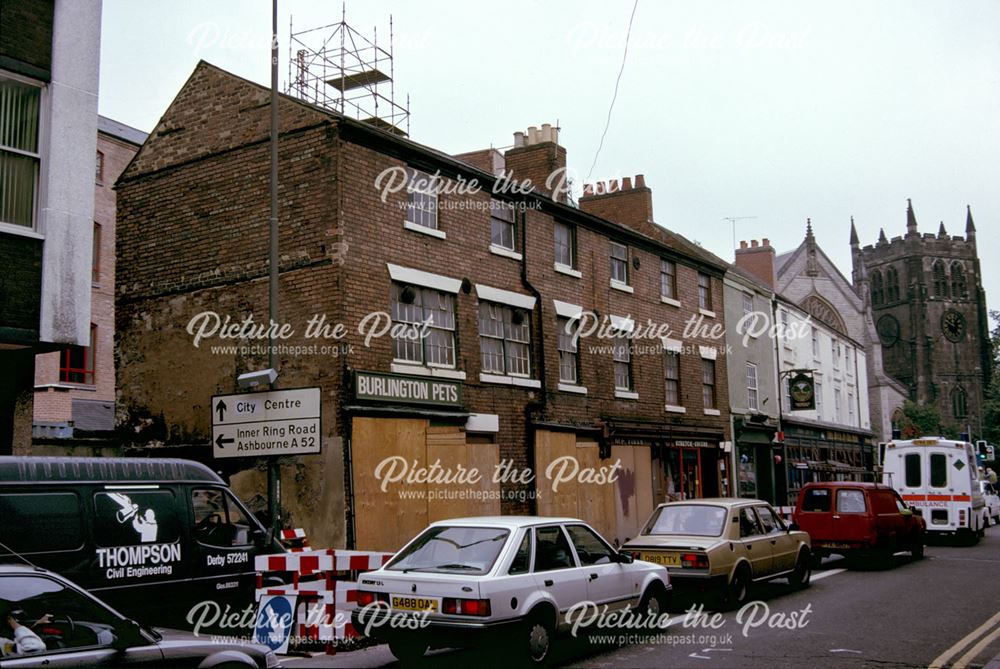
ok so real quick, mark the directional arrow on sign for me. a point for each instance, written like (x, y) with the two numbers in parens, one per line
(221, 408)
(222, 441)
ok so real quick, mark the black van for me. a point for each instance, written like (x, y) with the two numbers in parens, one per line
(152, 537)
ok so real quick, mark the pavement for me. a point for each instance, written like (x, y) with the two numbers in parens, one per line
(941, 612)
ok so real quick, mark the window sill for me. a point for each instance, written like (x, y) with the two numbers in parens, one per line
(421, 370)
(567, 270)
(503, 380)
(712, 412)
(671, 301)
(433, 232)
(66, 385)
(571, 388)
(20, 230)
(624, 287)
(626, 395)
(708, 313)
(505, 252)
(670, 408)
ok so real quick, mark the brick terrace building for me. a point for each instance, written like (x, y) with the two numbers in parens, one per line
(75, 387)
(497, 279)
(49, 54)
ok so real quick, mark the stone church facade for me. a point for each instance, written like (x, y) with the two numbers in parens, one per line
(807, 277)
(927, 301)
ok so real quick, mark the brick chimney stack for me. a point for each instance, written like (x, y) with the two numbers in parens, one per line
(622, 202)
(758, 259)
(537, 156)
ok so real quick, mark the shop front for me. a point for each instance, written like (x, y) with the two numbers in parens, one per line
(760, 471)
(818, 454)
(416, 455)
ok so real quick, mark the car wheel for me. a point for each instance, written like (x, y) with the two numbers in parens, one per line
(739, 588)
(917, 550)
(407, 651)
(654, 601)
(800, 578)
(536, 640)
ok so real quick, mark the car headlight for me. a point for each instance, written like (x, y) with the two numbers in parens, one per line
(271, 660)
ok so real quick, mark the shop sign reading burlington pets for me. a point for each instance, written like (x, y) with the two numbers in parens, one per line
(399, 388)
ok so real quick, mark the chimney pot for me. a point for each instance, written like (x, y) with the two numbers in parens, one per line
(588, 189)
(518, 139)
(546, 132)
(599, 188)
(640, 181)
(627, 183)
(532, 134)
(743, 243)
(753, 243)
(766, 242)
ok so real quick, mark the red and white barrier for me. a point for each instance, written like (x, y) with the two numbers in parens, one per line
(324, 583)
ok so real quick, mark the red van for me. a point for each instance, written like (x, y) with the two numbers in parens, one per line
(858, 520)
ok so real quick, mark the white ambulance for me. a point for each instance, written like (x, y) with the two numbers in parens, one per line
(939, 477)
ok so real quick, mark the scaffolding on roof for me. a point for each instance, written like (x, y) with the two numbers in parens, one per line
(337, 67)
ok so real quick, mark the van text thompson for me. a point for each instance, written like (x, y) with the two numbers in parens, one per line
(138, 561)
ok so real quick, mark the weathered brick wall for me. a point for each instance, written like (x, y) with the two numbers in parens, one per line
(26, 32)
(192, 237)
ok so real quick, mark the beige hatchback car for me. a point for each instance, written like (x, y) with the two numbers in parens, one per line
(723, 545)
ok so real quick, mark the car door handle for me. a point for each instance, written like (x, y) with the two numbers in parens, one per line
(836, 516)
(749, 547)
(774, 541)
(593, 577)
(548, 582)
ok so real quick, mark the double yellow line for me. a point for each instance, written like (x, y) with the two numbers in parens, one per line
(941, 660)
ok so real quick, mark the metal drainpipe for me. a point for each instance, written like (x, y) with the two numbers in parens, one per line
(542, 402)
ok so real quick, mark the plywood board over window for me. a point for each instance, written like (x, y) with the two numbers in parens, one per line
(447, 444)
(387, 520)
(590, 502)
(634, 490)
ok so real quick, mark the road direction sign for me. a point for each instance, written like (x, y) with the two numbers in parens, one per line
(276, 422)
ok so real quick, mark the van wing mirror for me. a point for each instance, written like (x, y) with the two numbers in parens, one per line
(793, 527)
(917, 511)
(625, 558)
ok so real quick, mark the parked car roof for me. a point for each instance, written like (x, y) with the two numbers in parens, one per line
(512, 522)
(717, 501)
(35, 470)
(846, 484)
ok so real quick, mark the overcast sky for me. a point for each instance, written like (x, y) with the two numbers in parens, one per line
(774, 110)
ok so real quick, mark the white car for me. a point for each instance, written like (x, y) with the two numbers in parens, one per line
(506, 578)
(992, 502)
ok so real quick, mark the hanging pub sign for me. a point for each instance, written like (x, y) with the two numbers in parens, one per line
(802, 392)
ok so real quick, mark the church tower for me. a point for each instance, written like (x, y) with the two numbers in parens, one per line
(927, 301)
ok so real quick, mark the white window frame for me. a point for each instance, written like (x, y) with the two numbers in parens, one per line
(423, 292)
(508, 344)
(621, 262)
(752, 389)
(499, 212)
(422, 208)
(747, 304)
(621, 356)
(33, 230)
(570, 245)
(668, 280)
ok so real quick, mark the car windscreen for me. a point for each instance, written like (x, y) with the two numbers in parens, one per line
(452, 549)
(700, 520)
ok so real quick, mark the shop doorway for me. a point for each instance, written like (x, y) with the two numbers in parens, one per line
(689, 473)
